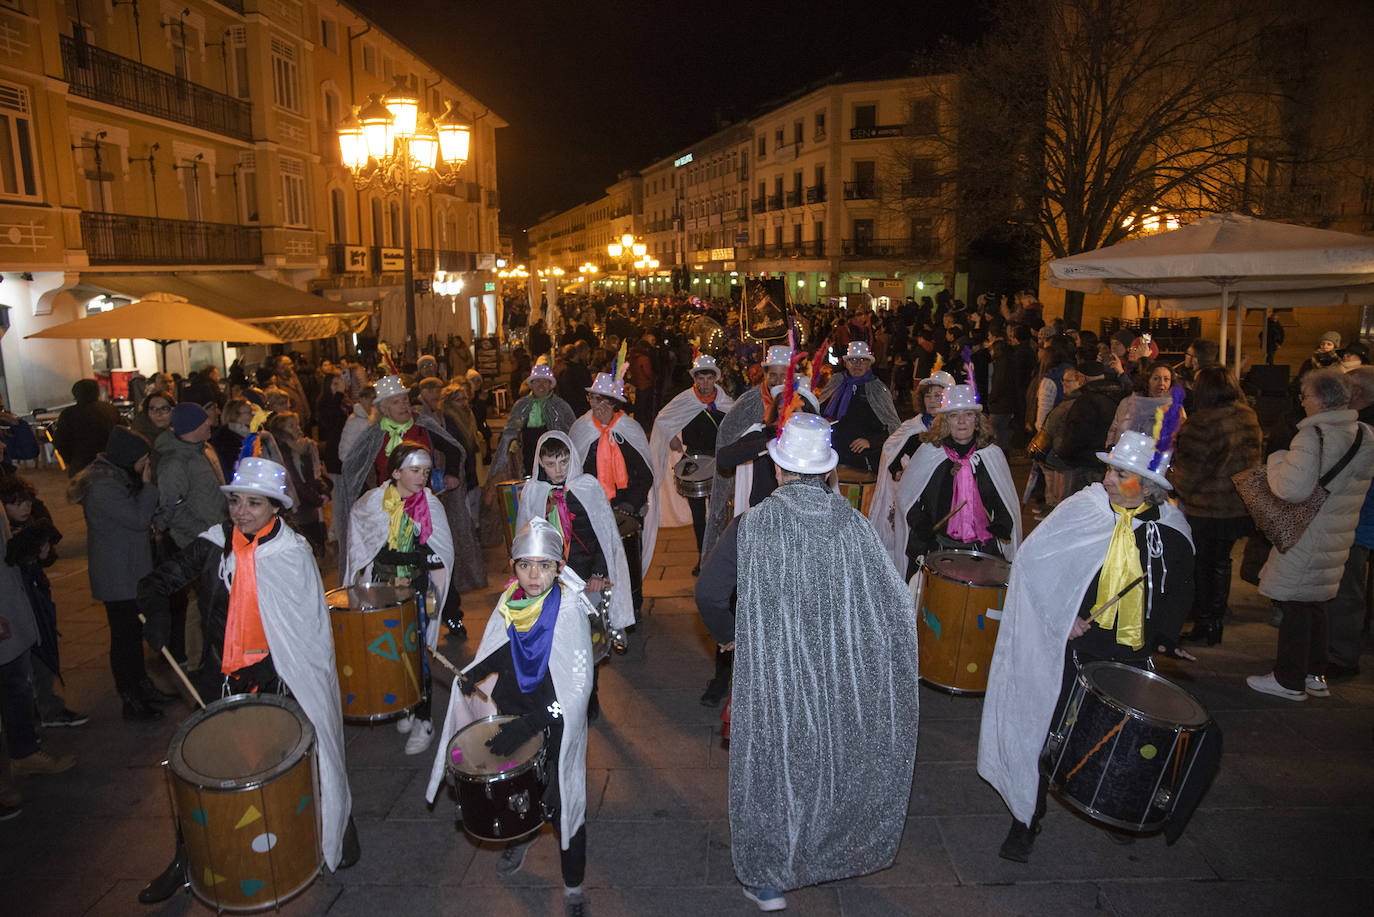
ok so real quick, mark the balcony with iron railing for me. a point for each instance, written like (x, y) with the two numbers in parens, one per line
(758, 205)
(775, 202)
(794, 197)
(104, 76)
(815, 194)
(890, 248)
(861, 190)
(121, 238)
(812, 249)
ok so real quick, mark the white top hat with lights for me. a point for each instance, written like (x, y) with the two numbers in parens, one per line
(803, 389)
(609, 386)
(804, 446)
(389, 387)
(960, 398)
(260, 476)
(858, 350)
(940, 378)
(1133, 452)
(778, 355)
(541, 371)
(705, 363)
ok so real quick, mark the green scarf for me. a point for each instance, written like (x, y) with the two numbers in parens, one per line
(395, 432)
(536, 411)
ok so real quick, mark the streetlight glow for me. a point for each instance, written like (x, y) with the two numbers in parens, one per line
(405, 108)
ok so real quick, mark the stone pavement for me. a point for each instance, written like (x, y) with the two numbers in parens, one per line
(1285, 829)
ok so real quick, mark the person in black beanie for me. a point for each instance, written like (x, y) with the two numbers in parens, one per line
(118, 504)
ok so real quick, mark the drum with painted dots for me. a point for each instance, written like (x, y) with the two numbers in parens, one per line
(246, 794)
(1124, 745)
(957, 610)
(376, 650)
(499, 797)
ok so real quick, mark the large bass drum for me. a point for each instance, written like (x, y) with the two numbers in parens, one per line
(247, 800)
(1124, 745)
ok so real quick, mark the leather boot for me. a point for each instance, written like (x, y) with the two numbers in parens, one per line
(1019, 841)
(138, 710)
(152, 694)
(171, 880)
(719, 685)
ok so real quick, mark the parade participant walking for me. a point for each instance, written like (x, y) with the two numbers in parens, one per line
(398, 534)
(821, 638)
(861, 408)
(615, 450)
(530, 417)
(897, 452)
(958, 470)
(538, 645)
(687, 425)
(266, 632)
(1100, 540)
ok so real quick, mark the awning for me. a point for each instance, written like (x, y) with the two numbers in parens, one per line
(284, 311)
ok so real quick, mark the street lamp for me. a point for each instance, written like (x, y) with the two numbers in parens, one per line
(627, 247)
(390, 146)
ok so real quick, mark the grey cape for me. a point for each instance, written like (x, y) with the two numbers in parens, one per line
(748, 410)
(469, 567)
(823, 721)
(558, 415)
(875, 393)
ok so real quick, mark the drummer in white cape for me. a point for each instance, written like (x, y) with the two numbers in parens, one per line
(398, 535)
(537, 646)
(957, 493)
(1083, 554)
(897, 452)
(266, 631)
(687, 425)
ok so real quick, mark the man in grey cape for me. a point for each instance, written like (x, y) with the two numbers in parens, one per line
(824, 712)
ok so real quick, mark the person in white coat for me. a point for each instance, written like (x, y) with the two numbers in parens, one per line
(1306, 577)
(537, 645)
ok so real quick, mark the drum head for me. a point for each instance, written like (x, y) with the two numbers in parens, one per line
(694, 467)
(468, 753)
(972, 568)
(855, 475)
(368, 597)
(1153, 696)
(241, 741)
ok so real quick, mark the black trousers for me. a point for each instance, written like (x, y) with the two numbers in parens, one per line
(1302, 643)
(632, 552)
(126, 645)
(1213, 540)
(698, 505)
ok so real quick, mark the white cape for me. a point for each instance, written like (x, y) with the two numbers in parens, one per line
(368, 527)
(923, 464)
(625, 430)
(669, 509)
(295, 620)
(535, 497)
(1055, 567)
(880, 512)
(570, 665)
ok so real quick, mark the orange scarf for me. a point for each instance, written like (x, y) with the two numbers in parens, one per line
(709, 399)
(244, 640)
(610, 463)
(767, 400)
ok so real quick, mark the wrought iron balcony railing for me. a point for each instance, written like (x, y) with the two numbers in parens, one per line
(863, 190)
(121, 238)
(890, 248)
(815, 194)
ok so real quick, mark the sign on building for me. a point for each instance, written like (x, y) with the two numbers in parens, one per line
(393, 259)
(355, 259)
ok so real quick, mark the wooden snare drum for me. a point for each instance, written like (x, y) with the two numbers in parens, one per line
(857, 486)
(508, 493)
(956, 623)
(247, 799)
(376, 650)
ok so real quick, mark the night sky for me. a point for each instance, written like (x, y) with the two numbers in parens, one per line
(592, 89)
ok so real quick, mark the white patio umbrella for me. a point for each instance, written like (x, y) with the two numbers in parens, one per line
(1226, 259)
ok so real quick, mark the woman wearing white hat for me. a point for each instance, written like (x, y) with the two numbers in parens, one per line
(959, 470)
(1122, 532)
(266, 631)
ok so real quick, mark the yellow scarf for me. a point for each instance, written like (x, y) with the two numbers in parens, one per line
(1121, 567)
(521, 612)
(400, 535)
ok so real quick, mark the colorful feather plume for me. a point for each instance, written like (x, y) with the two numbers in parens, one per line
(385, 351)
(1166, 427)
(621, 364)
(967, 356)
(817, 361)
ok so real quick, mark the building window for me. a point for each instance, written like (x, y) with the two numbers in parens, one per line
(777, 138)
(286, 83)
(370, 59)
(18, 171)
(378, 226)
(865, 116)
(329, 34)
(763, 146)
(190, 185)
(97, 173)
(238, 42)
(293, 192)
(820, 125)
(797, 133)
(248, 187)
(925, 116)
(338, 215)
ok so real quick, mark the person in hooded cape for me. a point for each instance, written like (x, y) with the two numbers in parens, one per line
(824, 711)
(364, 466)
(860, 406)
(537, 645)
(749, 413)
(957, 469)
(1094, 544)
(897, 452)
(615, 450)
(266, 629)
(530, 418)
(686, 424)
(573, 501)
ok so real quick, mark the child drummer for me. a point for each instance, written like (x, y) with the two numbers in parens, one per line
(538, 645)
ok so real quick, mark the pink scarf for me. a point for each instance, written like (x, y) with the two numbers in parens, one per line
(970, 523)
(417, 508)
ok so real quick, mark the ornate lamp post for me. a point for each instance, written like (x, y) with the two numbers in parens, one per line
(625, 248)
(389, 146)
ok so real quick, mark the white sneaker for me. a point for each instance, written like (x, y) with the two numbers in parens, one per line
(1268, 684)
(404, 723)
(1316, 686)
(423, 733)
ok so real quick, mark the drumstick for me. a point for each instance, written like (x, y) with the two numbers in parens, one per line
(439, 658)
(171, 660)
(948, 516)
(1114, 599)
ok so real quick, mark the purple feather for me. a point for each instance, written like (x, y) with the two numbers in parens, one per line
(967, 356)
(1168, 428)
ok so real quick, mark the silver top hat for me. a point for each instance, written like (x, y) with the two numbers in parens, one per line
(804, 446)
(1133, 452)
(260, 476)
(609, 386)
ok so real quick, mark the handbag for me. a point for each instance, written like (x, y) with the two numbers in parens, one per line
(1283, 522)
